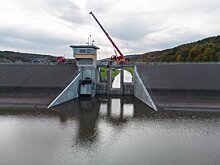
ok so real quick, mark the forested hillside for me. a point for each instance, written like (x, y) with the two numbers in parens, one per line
(16, 57)
(204, 50)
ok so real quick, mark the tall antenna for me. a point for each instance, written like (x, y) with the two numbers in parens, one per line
(93, 42)
(90, 39)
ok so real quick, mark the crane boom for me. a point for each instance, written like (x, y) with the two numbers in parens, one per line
(108, 36)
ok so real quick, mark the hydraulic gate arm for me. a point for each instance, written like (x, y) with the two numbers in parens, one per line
(108, 36)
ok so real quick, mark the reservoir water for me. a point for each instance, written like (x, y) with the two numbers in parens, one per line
(108, 130)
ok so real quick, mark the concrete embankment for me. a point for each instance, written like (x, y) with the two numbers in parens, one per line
(182, 86)
(161, 86)
(33, 85)
(141, 92)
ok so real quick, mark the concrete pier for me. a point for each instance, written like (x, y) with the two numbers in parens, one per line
(69, 93)
(141, 92)
(122, 80)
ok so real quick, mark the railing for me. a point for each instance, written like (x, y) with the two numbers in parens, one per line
(175, 63)
(185, 63)
(115, 66)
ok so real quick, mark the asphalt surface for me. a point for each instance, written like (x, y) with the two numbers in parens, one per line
(33, 85)
(182, 87)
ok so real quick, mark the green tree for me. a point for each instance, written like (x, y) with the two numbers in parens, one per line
(189, 58)
(179, 58)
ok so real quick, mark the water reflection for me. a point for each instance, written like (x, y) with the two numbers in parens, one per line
(116, 111)
(110, 107)
(108, 130)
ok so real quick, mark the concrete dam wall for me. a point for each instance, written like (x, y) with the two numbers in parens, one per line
(33, 85)
(181, 76)
(182, 86)
(162, 86)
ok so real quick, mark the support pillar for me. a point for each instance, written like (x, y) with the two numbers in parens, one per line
(121, 108)
(122, 80)
(109, 80)
(109, 107)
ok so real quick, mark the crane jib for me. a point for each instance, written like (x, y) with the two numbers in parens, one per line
(108, 36)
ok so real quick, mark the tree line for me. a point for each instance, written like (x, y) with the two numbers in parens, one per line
(201, 51)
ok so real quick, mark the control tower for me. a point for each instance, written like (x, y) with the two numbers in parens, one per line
(86, 57)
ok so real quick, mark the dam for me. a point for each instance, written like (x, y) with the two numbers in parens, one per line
(161, 86)
(35, 86)
(183, 86)
(168, 86)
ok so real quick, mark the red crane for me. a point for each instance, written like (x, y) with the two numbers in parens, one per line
(119, 59)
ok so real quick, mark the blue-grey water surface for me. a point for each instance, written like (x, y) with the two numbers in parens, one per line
(108, 130)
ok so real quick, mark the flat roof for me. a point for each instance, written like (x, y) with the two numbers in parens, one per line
(84, 46)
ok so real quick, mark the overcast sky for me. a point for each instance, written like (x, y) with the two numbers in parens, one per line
(137, 26)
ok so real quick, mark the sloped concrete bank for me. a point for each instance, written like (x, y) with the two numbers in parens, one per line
(69, 93)
(33, 85)
(183, 86)
(141, 92)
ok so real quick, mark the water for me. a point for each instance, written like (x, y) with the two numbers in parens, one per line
(108, 131)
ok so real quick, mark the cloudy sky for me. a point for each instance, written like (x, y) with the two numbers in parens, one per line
(137, 26)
